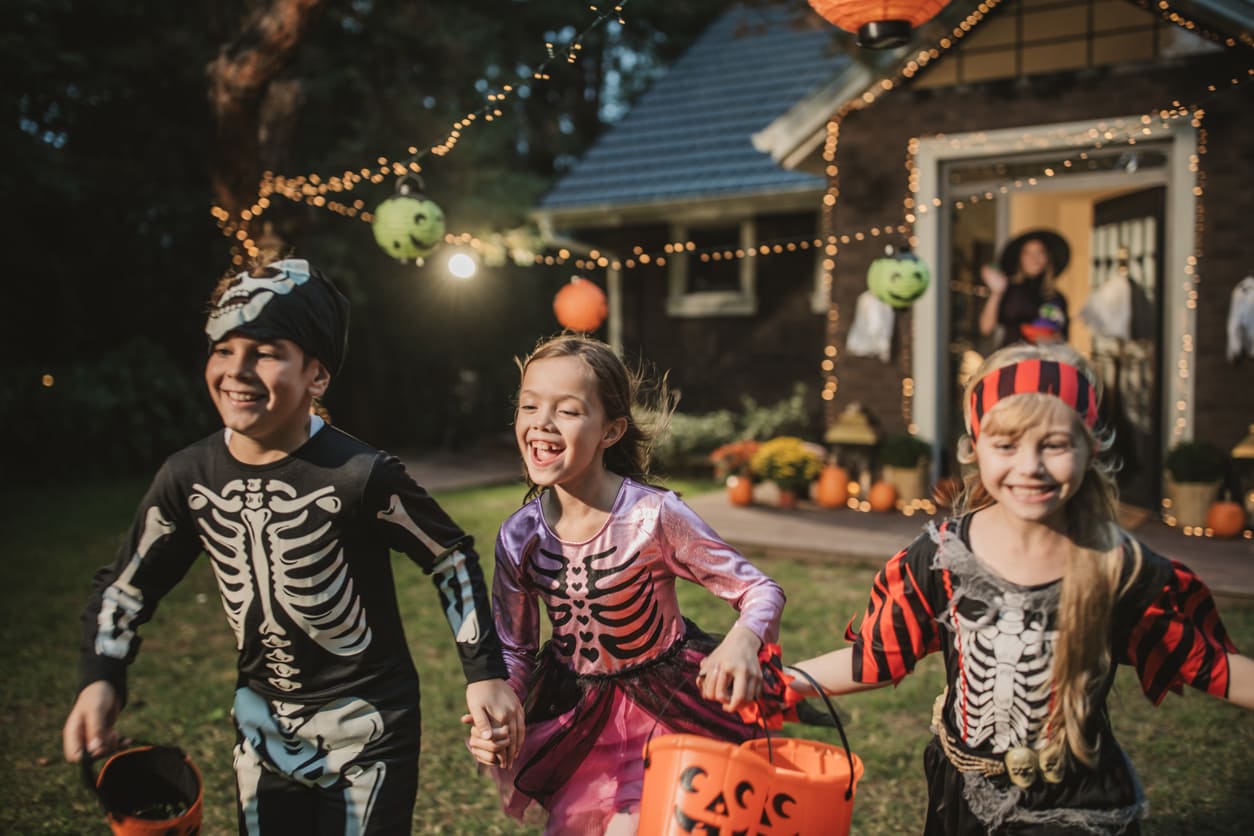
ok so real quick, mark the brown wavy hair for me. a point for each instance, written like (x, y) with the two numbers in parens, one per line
(1095, 563)
(624, 393)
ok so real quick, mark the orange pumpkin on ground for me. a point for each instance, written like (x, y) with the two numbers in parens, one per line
(882, 496)
(832, 488)
(740, 490)
(1226, 519)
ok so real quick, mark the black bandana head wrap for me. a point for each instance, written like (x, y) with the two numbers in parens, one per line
(297, 303)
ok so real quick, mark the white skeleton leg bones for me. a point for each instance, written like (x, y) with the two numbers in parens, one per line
(317, 751)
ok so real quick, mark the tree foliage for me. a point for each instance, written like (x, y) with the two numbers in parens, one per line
(114, 150)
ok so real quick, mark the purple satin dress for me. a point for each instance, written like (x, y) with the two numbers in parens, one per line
(622, 661)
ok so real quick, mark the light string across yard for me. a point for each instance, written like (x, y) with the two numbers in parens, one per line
(322, 191)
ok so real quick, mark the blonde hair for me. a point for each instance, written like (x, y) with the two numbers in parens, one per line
(1091, 579)
(620, 390)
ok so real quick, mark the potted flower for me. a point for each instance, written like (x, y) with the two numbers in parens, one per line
(790, 463)
(732, 463)
(904, 462)
(1193, 471)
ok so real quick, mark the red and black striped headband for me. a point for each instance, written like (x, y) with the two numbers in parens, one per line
(1048, 377)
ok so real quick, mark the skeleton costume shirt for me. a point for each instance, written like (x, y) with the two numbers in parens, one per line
(622, 661)
(326, 696)
(998, 639)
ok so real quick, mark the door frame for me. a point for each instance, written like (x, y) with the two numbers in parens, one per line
(930, 319)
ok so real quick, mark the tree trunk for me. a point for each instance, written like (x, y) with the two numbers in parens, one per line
(249, 107)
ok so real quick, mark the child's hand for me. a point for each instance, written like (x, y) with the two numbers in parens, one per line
(994, 279)
(90, 723)
(732, 674)
(497, 717)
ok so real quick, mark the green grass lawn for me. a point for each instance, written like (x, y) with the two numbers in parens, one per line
(1195, 754)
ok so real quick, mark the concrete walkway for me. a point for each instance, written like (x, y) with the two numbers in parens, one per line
(810, 532)
(813, 533)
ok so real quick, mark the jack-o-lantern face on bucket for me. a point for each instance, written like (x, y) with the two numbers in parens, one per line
(898, 278)
(696, 785)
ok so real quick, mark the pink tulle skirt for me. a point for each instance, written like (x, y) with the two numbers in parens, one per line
(583, 758)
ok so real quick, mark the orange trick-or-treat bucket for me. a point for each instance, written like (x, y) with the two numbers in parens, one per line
(693, 784)
(149, 791)
(768, 786)
(809, 787)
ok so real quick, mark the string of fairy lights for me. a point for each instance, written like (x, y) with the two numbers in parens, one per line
(322, 191)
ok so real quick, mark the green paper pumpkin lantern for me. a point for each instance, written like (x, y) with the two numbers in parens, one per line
(898, 278)
(408, 226)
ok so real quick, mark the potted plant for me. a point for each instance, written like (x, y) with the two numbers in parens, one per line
(732, 464)
(790, 463)
(1193, 471)
(904, 460)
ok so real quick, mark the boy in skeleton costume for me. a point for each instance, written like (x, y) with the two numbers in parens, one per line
(298, 520)
(1034, 596)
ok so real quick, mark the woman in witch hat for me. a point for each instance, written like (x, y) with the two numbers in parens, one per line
(1023, 300)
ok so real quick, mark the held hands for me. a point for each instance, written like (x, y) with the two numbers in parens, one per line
(497, 720)
(731, 674)
(90, 723)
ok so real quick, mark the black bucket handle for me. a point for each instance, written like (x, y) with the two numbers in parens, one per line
(840, 727)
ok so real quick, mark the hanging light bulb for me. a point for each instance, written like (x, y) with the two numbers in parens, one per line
(462, 265)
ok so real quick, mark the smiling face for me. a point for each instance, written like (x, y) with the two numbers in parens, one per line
(263, 391)
(1032, 456)
(561, 425)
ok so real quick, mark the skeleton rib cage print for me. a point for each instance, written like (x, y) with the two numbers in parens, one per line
(303, 566)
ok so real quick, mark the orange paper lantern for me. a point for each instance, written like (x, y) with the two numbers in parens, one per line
(879, 24)
(882, 496)
(580, 305)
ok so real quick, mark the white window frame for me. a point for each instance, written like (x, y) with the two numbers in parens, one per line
(680, 302)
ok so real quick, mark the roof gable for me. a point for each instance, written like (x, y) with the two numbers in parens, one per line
(690, 135)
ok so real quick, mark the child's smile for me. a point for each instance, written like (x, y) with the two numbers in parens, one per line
(263, 391)
(560, 424)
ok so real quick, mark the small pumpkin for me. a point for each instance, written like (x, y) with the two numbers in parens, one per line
(898, 278)
(740, 490)
(1226, 519)
(832, 488)
(882, 496)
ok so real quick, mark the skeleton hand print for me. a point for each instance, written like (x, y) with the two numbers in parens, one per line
(271, 547)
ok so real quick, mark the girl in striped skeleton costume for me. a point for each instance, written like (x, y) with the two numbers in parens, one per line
(1034, 594)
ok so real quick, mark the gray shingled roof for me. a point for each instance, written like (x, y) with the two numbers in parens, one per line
(690, 135)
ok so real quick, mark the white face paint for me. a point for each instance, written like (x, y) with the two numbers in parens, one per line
(244, 300)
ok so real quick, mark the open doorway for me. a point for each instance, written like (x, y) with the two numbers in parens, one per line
(1109, 206)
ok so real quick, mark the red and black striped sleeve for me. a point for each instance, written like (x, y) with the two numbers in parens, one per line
(899, 627)
(1179, 639)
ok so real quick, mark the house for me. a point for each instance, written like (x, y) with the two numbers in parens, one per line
(681, 166)
(1123, 124)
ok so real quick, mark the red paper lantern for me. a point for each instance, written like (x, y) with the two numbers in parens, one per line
(879, 24)
(580, 305)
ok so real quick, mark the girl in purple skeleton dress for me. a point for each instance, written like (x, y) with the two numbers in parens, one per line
(602, 549)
